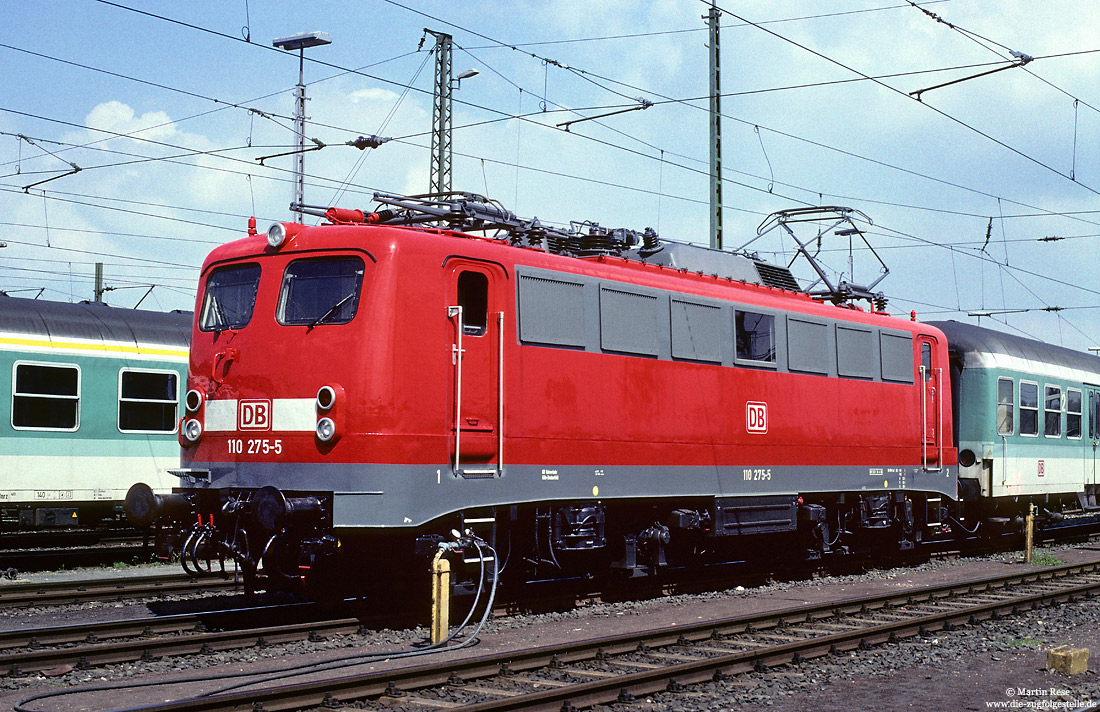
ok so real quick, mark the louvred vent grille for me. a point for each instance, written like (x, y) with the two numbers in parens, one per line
(778, 277)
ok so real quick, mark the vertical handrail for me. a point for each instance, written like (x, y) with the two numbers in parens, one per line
(500, 395)
(923, 419)
(939, 415)
(456, 359)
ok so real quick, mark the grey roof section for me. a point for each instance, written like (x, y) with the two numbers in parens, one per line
(695, 258)
(978, 347)
(93, 322)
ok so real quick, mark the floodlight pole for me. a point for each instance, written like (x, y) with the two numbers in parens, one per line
(300, 135)
(300, 42)
(99, 289)
(715, 129)
(441, 115)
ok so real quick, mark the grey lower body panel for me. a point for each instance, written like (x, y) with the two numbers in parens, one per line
(380, 495)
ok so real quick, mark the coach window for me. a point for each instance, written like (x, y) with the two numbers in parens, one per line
(1052, 412)
(926, 360)
(1029, 408)
(45, 397)
(1006, 400)
(147, 401)
(323, 291)
(473, 297)
(1073, 413)
(230, 297)
(755, 336)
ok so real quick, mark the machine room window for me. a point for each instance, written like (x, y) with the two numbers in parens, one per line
(1052, 412)
(1029, 408)
(322, 291)
(45, 397)
(230, 297)
(147, 401)
(473, 297)
(1006, 400)
(1073, 413)
(755, 336)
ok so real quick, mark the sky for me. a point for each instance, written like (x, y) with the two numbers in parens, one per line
(982, 196)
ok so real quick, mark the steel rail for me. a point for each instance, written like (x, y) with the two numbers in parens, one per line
(61, 592)
(330, 691)
(91, 555)
(186, 642)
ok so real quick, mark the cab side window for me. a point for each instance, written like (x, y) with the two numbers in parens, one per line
(473, 297)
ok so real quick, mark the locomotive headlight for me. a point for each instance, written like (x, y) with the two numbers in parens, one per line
(193, 400)
(276, 235)
(326, 398)
(192, 430)
(326, 430)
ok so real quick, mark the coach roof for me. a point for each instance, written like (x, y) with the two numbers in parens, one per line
(95, 322)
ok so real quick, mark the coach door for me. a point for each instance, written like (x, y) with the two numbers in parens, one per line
(475, 311)
(931, 376)
(1093, 443)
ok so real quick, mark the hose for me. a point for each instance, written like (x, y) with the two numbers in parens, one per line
(195, 554)
(297, 669)
(959, 524)
(183, 556)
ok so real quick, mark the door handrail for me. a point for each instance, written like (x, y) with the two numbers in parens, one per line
(500, 395)
(937, 378)
(455, 312)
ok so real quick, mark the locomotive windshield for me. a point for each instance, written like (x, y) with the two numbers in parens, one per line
(324, 291)
(230, 297)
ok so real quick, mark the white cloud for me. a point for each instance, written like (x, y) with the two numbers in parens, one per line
(373, 94)
(116, 117)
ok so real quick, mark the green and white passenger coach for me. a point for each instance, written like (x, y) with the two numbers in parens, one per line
(1026, 417)
(93, 407)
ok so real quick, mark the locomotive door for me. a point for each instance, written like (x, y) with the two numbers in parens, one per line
(931, 376)
(477, 354)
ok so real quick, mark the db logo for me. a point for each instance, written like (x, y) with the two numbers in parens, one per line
(254, 415)
(756, 417)
(1042, 468)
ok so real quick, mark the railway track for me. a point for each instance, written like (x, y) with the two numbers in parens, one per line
(43, 551)
(623, 667)
(92, 644)
(66, 592)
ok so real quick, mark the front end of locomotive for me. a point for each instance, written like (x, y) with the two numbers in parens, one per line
(282, 336)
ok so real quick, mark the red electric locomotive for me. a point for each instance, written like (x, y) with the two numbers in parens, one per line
(590, 401)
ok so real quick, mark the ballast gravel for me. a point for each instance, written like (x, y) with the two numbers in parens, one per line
(990, 665)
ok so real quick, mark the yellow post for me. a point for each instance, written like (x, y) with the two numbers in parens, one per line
(1030, 534)
(441, 597)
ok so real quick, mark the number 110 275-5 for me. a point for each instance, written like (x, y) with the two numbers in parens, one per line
(254, 446)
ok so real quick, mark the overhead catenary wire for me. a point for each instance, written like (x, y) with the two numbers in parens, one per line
(941, 112)
(765, 129)
(653, 157)
(478, 34)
